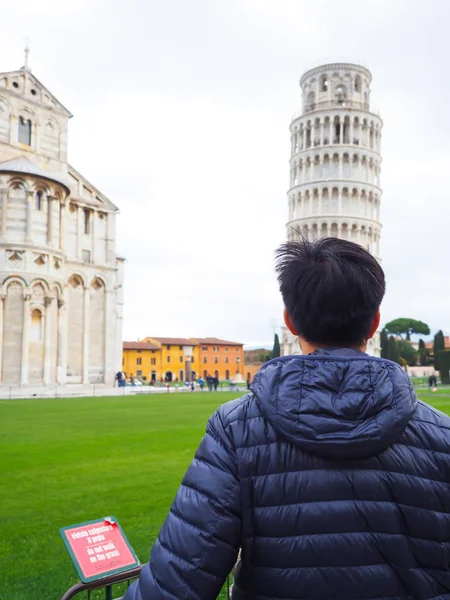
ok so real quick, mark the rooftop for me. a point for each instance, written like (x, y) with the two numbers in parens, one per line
(24, 166)
(140, 346)
(217, 342)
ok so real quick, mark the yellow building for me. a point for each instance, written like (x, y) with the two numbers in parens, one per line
(179, 359)
(142, 359)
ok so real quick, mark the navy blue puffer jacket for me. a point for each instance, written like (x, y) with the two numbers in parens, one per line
(332, 478)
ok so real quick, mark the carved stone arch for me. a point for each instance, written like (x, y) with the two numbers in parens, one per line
(26, 112)
(16, 182)
(51, 126)
(14, 279)
(41, 186)
(76, 280)
(39, 288)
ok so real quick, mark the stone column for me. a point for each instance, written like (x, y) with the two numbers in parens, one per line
(80, 230)
(321, 132)
(341, 130)
(47, 341)
(109, 368)
(93, 215)
(2, 307)
(25, 339)
(50, 219)
(4, 201)
(29, 234)
(62, 223)
(61, 371)
(87, 299)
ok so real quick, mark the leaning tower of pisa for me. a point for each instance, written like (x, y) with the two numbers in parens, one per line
(335, 164)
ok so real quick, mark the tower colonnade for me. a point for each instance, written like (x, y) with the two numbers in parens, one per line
(335, 163)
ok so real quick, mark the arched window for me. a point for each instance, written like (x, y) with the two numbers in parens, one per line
(205, 360)
(87, 214)
(324, 83)
(24, 131)
(310, 101)
(38, 200)
(358, 83)
(36, 326)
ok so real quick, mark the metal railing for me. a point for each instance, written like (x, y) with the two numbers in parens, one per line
(108, 582)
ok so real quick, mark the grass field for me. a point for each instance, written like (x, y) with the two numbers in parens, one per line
(70, 460)
(64, 461)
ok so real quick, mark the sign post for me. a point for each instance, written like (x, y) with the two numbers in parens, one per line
(99, 549)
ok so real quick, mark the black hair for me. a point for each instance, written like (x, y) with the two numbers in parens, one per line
(331, 289)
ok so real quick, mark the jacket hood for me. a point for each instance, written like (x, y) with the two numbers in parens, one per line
(338, 403)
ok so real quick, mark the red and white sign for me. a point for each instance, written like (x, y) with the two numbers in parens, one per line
(99, 549)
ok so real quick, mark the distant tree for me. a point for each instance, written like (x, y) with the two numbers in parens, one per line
(407, 352)
(392, 350)
(384, 343)
(444, 363)
(438, 346)
(423, 354)
(276, 346)
(407, 326)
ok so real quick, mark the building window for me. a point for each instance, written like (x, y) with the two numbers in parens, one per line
(24, 131)
(139, 373)
(139, 361)
(139, 351)
(38, 201)
(226, 359)
(153, 361)
(226, 349)
(181, 359)
(205, 348)
(87, 214)
(205, 374)
(205, 360)
(168, 359)
(36, 326)
(237, 349)
(216, 348)
(216, 360)
(153, 352)
(86, 256)
(168, 346)
(181, 347)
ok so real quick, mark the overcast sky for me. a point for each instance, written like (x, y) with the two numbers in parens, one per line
(181, 117)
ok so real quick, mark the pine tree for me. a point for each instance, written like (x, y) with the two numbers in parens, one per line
(384, 343)
(438, 346)
(276, 346)
(392, 351)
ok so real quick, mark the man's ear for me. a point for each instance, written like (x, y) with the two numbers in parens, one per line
(289, 324)
(375, 325)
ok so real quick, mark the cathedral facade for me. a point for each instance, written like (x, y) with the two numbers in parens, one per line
(61, 293)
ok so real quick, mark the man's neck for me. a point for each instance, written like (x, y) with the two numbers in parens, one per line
(309, 348)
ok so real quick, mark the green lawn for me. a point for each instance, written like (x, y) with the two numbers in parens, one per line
(64, 461)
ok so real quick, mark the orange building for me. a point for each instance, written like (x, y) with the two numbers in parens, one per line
(221, 358)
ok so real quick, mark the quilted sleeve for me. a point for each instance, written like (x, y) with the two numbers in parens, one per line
(200, 538)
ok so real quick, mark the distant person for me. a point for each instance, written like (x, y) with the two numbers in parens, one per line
(209, 383)
(123, 379)
(215, 383)
(192, 385)
(248, 382)
(118, 378)
(201, 383)
(132, 381)
(330, 476)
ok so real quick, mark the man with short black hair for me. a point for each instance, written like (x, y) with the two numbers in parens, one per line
(330, 476)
